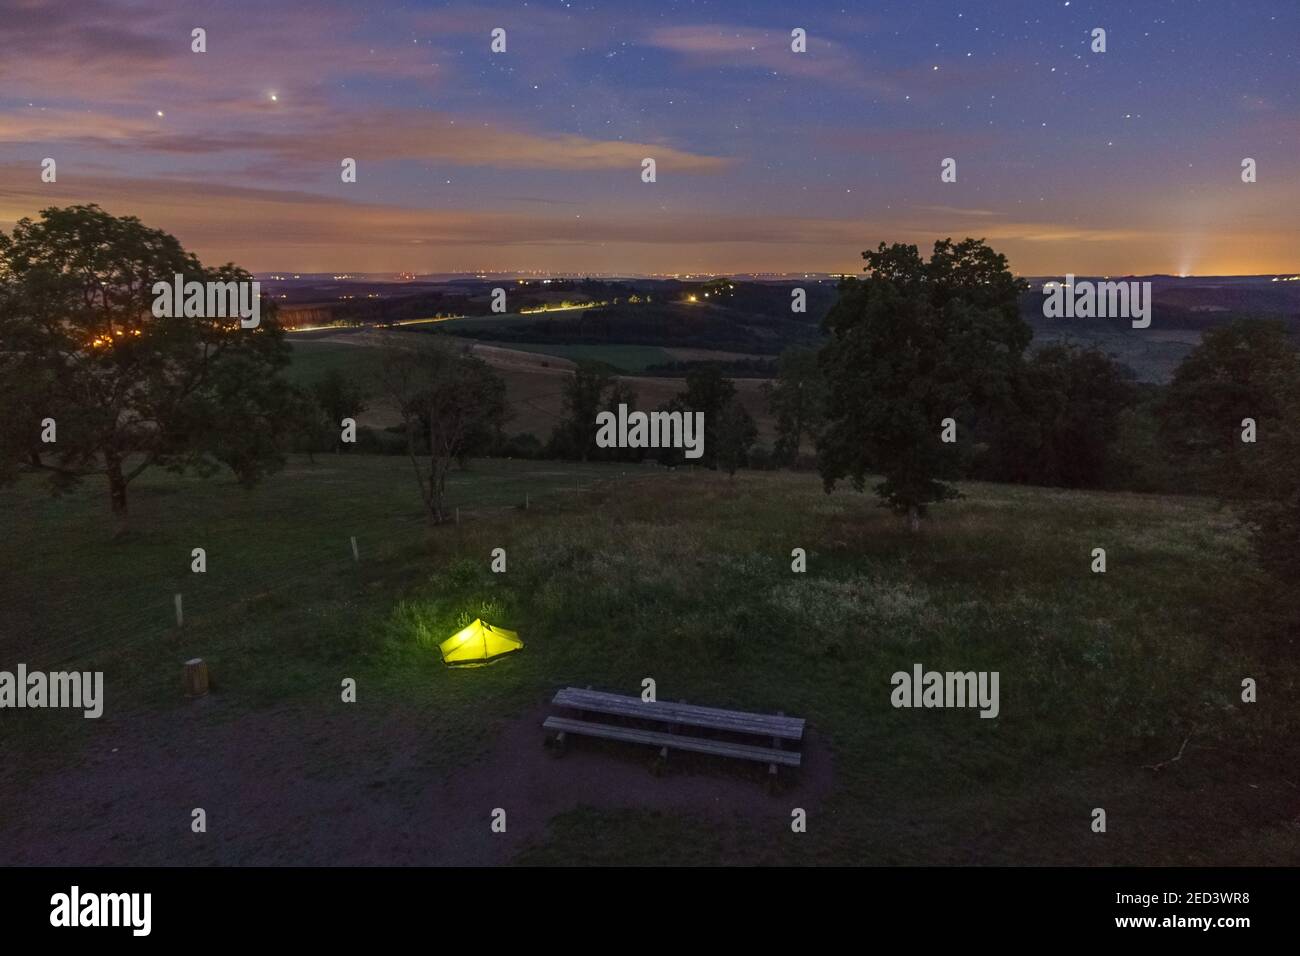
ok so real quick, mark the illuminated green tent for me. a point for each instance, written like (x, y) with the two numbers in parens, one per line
(480, 641)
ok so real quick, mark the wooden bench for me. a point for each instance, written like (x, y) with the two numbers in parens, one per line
(776, 728)
(720, 748)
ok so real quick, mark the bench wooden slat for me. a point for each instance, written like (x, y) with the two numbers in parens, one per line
(762, 725)
(721, 748)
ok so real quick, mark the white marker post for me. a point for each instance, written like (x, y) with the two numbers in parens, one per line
(356, 555)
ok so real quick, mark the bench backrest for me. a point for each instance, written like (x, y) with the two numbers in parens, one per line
(735, 721)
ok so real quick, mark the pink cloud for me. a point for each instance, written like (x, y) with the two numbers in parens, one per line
(714, 45)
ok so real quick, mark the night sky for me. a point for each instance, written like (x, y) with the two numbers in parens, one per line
(1127, 161)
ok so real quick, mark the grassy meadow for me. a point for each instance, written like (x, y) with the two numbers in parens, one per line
(617, 573)
(313, 358)
(534, 375)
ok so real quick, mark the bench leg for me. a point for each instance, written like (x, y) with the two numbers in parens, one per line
(771, 768)
(660, 763)
(557, 744)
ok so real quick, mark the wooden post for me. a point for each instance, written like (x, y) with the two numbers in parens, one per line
(661, 762)
(356, 555)
(458, 517)
(771, 768)
(196, 677)
(180, 615)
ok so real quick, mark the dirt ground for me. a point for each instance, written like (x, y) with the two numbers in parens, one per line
(348, 791)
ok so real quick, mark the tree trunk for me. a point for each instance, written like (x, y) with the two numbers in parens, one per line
(913, 519)
(117, 496)
(438, 468)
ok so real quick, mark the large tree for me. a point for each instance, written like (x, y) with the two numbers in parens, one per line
(128, 390)
(448, 399)
(709, 392)
(912, 344)
(1245, 370)
(592, 389)
(1238, 371)
(584, 395)
(734, 434)
(620, 393)
(797, 401)
(338, 397)
(1270, 487)
(1061, 421)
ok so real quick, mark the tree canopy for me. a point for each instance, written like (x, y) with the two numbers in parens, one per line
(127, 390)
(1238, 371)
(912, 344)
(796, 399)
(449, 400)
(1061, 419)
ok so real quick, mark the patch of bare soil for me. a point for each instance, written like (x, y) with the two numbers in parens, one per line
(292, 786)
(499, 356)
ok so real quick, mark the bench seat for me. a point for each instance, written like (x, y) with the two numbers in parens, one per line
(686, 715)
(720, 748)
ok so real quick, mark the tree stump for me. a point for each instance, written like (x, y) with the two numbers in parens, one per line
(196, 677)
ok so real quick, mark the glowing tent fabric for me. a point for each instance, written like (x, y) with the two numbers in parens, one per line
(478, 642)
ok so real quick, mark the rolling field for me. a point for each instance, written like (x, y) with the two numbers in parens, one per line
(534, 376)
(618, 574)
(622, 358)
(313, 357)
(261, 544)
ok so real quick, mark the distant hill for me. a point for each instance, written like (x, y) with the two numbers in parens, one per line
(679, 324)
(1182, 309)
(740, 324)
